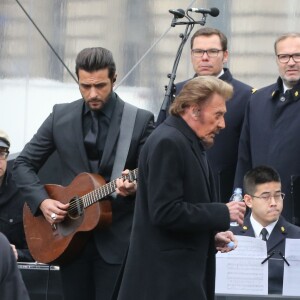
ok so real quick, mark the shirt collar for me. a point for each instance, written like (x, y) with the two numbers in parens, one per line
(257, 227)
(221, 73)
(285, 88)
(280, 87)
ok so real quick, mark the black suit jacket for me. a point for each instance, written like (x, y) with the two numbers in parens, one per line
(275, 242)
(171, 253)
(62, 131)
(223, 156)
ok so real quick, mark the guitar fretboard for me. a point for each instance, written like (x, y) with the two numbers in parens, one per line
(105, 190)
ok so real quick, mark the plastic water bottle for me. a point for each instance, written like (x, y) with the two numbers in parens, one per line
(237, 196)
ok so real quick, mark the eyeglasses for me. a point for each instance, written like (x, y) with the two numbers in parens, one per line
(209, 52)
(267, 197)
(3, 155)
(285, 58)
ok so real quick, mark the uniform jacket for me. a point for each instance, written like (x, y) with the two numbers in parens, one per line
(62, 131)
(275, 242)
(172, 252)
(223, 155)
(270, 136)
(11, 216)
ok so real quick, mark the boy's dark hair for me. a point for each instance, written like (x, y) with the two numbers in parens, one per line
(259, 175)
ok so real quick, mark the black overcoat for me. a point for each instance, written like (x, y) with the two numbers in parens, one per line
(172, 253)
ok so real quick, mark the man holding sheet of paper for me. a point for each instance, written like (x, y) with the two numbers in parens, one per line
(263, 196)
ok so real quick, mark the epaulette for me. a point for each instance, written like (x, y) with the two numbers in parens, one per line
(245, 228)
(275, 93)
(282, 229)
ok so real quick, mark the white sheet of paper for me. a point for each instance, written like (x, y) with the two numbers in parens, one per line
(240, 271)
(291, 274)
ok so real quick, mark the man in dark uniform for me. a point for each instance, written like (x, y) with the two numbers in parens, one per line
(271, 127)
(264, 198)
(85, 134)
(11, 205)
(209, 53)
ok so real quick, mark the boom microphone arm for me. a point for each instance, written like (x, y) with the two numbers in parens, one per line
(190, 23)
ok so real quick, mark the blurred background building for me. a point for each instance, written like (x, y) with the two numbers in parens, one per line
(39, 41)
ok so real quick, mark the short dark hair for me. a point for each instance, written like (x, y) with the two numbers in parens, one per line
(259, 175)
(94, 59)
(207, 31)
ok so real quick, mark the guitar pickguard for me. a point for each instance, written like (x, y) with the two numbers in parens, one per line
(69, 226)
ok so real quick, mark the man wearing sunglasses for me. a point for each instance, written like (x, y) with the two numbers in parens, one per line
(264, 198)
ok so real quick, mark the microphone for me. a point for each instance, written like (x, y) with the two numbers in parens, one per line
(178, 13)
(214, 12)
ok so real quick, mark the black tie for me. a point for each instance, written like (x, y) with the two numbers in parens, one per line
(90, 141)
(264, 233)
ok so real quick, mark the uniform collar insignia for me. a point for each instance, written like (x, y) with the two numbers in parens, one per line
(254, 90)
(282, 228)
(245, 228)
(294, 94)
(275, 93)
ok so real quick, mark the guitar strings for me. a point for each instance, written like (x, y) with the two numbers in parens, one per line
(89, 198)
(100, 192)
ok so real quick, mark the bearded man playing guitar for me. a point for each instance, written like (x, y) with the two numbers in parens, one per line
(85, 135)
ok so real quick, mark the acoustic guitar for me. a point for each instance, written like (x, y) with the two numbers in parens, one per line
(61, 242)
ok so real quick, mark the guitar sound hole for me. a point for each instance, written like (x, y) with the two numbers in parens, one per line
(76, 208)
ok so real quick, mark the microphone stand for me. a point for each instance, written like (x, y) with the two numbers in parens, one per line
(171, 88)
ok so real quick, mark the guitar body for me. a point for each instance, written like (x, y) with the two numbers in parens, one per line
(61, 242)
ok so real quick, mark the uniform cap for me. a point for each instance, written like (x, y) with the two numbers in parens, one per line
(4, 139)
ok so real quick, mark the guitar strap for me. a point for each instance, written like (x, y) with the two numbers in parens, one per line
(126, 130)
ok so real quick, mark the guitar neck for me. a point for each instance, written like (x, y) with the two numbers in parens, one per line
(107, 189)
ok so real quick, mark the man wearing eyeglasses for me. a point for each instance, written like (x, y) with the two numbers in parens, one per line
(270, 132)
(263, 196)
(209, 53)
(11, 206)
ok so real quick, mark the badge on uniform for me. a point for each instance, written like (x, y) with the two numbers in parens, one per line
(282, 98)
